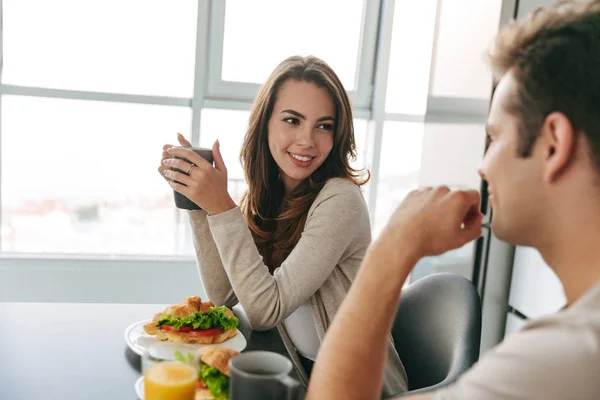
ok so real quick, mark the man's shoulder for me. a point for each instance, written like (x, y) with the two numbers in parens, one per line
(582, 318)
(553, 357)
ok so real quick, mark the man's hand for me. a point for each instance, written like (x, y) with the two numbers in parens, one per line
(432, 221)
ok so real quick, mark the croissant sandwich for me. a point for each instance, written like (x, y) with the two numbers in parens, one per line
(195, 322)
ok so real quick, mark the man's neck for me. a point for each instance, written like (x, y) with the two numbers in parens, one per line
(573, 252)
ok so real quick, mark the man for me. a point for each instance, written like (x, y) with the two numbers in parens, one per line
(543, 170)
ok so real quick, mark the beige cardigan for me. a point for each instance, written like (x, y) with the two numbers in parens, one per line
(320, 269)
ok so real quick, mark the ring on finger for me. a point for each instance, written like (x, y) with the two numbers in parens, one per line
(191, 169)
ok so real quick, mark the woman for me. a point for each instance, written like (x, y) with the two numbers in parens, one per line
(289, 253)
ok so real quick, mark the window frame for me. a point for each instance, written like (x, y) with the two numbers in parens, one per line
(219, 89)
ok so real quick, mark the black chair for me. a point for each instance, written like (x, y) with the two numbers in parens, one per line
(437, 330)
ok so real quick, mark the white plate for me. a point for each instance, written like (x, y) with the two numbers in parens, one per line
(139, 341)
(139, 388)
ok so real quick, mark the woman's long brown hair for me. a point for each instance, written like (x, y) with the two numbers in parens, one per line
(275, 220)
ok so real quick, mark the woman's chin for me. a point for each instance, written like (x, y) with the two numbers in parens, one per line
(293, 177)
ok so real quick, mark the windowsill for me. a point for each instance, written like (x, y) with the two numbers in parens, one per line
(95, 257)
(109, 279)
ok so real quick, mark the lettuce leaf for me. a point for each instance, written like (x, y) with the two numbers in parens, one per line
(215, 318)
(216, 382)
(217, 315)
(181, 358)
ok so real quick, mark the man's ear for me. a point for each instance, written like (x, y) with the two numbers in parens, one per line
(558, 140)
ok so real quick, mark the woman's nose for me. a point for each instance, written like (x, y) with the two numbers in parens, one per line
(305, 136)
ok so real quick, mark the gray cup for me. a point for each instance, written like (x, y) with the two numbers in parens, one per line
(180, 200)
(261, 375)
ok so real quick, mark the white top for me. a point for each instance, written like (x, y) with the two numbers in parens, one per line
(552, 358)
(301, 328)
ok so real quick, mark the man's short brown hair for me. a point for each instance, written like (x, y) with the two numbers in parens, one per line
(554, 55)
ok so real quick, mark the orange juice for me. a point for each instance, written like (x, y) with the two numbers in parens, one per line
(170, 380)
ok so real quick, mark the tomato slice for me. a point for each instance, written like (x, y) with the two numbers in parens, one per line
(206, 332)
(167, 328)
(193, 332)
(172, 329)
(201, 384)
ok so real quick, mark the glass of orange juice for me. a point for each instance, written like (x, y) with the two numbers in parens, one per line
(168, 379)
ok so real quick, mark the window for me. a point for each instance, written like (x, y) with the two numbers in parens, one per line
(249, 39)
(80, 176)
(122, 46)
(458, 261)
(452, 153)
(362, 144)
(259, 35)
(410, 56)
(230, 128)
(399, 167)
(465, 30)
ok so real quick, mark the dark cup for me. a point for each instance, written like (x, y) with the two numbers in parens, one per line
(261, 375)
(181, 201)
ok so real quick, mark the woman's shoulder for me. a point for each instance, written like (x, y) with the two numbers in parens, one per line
(343, 190)
(340, 185)
(342, 204)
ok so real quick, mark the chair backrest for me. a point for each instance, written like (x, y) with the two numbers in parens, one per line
(437, 330)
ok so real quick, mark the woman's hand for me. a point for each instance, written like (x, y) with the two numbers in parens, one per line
(205, 185)
(165, 155)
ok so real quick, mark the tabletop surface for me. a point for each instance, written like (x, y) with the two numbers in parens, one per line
(78, 351)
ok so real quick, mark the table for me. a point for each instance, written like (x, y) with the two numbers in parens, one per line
(77, 351)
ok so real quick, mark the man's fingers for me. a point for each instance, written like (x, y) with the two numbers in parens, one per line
(473, 196)
(463, 201)
(473, 216)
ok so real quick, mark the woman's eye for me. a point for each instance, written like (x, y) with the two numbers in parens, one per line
(292, 121)
(326, 127)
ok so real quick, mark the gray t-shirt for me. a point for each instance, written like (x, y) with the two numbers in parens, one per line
(555, 357)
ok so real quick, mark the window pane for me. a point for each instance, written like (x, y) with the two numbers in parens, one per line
(80, 177)
(452, 154)
(259, 35)
(466, 28)
(410, 56)
(459, 261)
(122, 46)
(230, 128)
(399, 166)
(362, 144)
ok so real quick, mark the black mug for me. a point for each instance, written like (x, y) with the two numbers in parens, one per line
(261, 375)
(181, 201)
